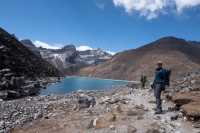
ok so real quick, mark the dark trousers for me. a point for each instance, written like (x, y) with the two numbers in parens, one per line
(157, 93)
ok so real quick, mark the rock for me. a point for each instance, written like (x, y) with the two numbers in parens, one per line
(4, 84)
(8, 75)
(113, 100)
(5, 70)
(135, 112)
(104, 121)
(192, 111)
(112, 127)
(174, 117)
(185, 98)
(131, 112)
(18, 82)
(13, 94)
(189, 102)
(140, 117)
(131, 129)
(3, 94)
(152, 131)
(196, 125)
(37, 115)
(85, 101)
(30, 90)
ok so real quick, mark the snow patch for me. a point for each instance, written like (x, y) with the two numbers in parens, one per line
(83, 48)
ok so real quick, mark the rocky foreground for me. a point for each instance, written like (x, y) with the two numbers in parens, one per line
(121, 110)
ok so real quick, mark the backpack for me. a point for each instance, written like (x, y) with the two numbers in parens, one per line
(167, 74)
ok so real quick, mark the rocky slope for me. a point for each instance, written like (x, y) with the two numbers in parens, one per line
(68, 59)
(179, 55)
(31, 46)
(19, 64)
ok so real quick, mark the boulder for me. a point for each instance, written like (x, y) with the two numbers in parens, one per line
(3, 94)
(13, 94)
(5, 70)
(189, 102)
(185, 97)
(85, 101)
(192, 111)
(132, 129)
(31, 89)
(104, 121)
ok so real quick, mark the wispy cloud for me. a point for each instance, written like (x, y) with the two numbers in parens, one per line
(100, 4)
(83, 48)
(153, 8)
(45, 45)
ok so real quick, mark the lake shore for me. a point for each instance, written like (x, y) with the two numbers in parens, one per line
(120, 109)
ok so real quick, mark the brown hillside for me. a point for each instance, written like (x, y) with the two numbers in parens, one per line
(177, 54)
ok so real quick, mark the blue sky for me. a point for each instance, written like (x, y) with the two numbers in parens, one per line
(113, 25)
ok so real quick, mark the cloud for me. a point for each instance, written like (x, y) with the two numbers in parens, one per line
(100, 5)
(44, 45)
(153, 8)
(182, 4)
(83, 48)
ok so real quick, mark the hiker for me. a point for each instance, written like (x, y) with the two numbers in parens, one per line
(143, 81)
(161, 80)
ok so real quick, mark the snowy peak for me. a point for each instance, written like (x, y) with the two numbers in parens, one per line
(68, 58)
(83, 48)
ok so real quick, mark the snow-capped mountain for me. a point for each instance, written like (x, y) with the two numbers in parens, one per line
(70, 59)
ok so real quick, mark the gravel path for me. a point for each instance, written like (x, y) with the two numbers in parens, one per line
(123, 110)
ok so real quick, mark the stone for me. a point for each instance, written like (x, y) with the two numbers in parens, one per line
(13, 94)
(132, 112)
(85, 101)
(112, 127)
(3, 94)
(132, 129)
(140, 117)
(192, 111)
(196, 125)
(174, 117)
(152, 131)
(7, 75)
(30, 90)
(104, 121)
(5, 70)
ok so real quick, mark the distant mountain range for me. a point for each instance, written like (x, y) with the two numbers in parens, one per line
(69, 59)
(179, 55)
(24, 58)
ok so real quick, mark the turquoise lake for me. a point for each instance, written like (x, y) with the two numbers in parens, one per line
(70, 84)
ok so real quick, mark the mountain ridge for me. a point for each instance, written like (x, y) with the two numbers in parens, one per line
(21, 60)
(177, 54)
(69, 59)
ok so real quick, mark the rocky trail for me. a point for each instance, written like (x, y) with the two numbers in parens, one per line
(121, 110)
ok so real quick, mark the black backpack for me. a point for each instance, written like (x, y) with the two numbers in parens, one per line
(167, 76)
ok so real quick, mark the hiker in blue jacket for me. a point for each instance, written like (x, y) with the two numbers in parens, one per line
(160, 81)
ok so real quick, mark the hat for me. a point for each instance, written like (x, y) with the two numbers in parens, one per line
(159, 62)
